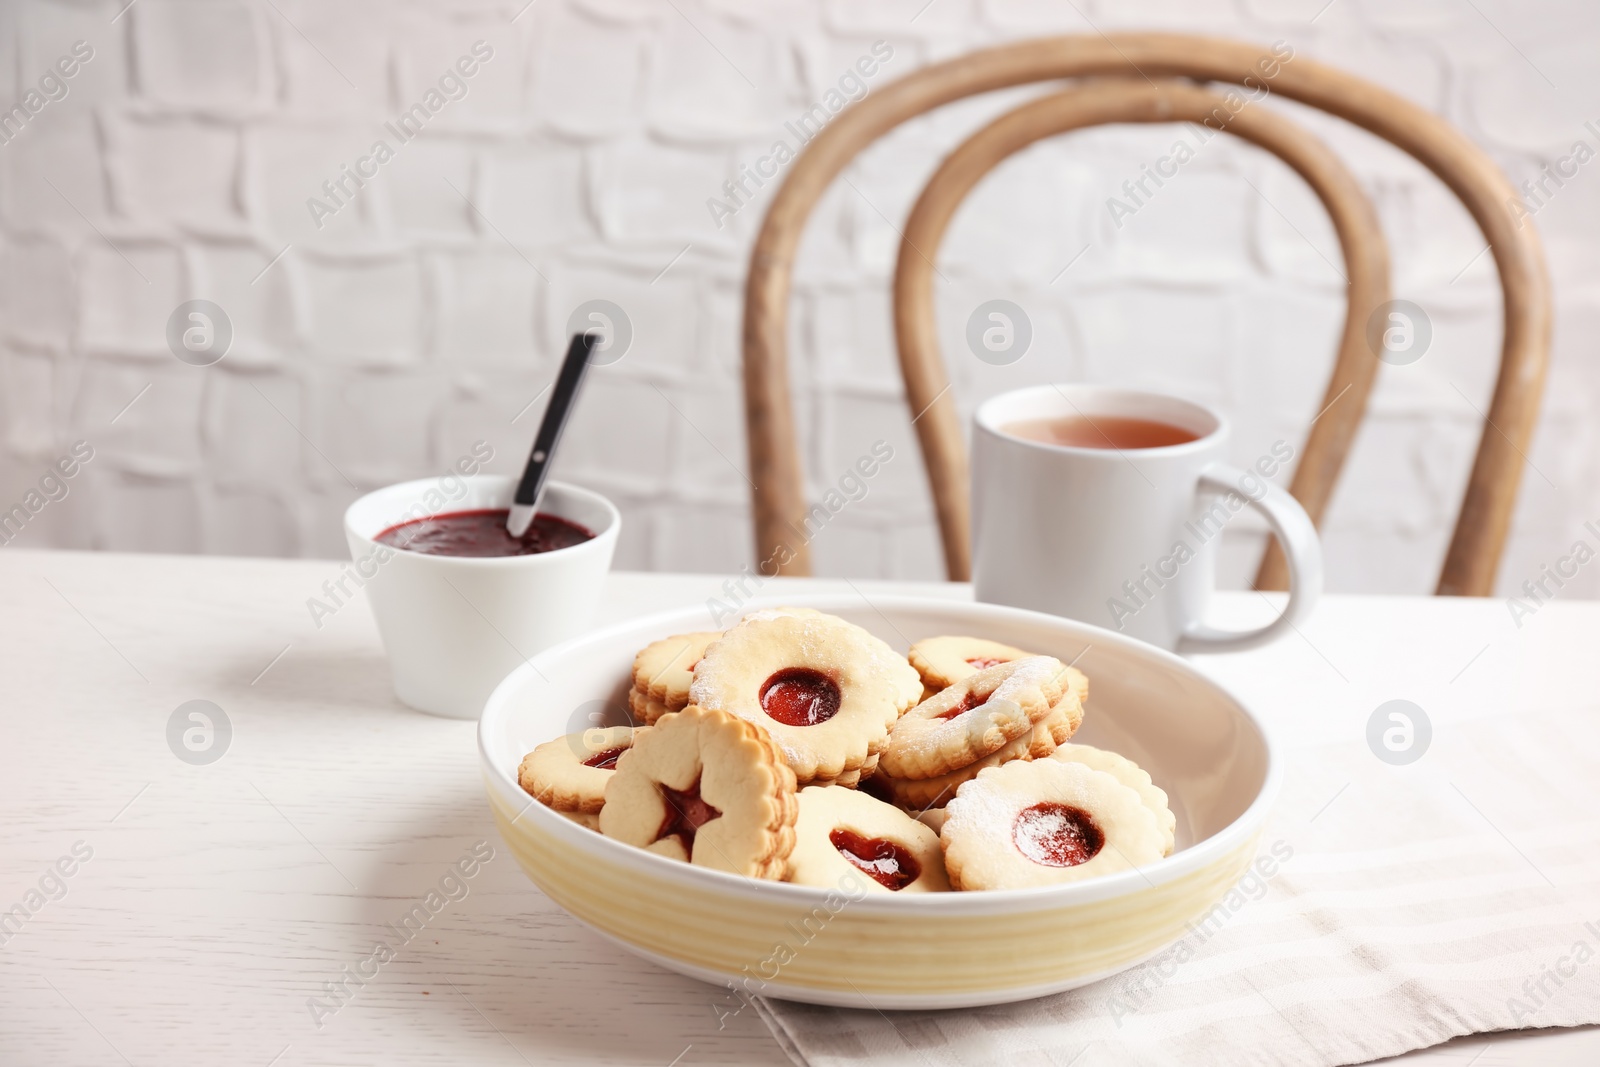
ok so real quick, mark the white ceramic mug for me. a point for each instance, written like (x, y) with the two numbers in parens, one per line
(1124, 538)
(454, 626)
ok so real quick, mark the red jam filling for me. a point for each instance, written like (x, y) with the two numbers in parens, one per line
(890, 865)
(1057, 835)
(686, 813)
(800, 696)
(983, 664)
(967, 703)
(606, 760)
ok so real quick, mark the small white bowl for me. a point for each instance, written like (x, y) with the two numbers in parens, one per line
(935, 950)
(454, 626)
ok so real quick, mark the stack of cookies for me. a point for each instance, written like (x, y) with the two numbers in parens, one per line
(797, 746)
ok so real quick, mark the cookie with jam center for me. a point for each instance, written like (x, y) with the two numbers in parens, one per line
(944, 661)
(708, 788)
(978, 716)
(570, 773)
(826, 690)
(1043, 822)
(845, 839)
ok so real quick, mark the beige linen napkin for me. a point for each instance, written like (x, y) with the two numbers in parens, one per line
(1404, 906)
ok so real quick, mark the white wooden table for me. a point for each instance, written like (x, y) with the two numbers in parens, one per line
(218, 899)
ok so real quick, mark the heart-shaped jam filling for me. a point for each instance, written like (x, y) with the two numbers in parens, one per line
(606, 760)
(889, 864)
(1057, 835)
(966, 704)
(983, 663)
(686, 813)
(800, 696)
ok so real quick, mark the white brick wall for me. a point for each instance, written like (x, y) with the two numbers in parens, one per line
(427, 312)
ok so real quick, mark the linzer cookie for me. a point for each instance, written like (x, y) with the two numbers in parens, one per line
(663, 670)
(1131, 775)
(1044, 823)
(571, 772)
(826, 691)
(841, 832)
(943, 661)
(973, 718)
(707, 788)
(917, 794)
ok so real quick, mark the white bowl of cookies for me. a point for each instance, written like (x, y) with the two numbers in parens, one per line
(912, 803)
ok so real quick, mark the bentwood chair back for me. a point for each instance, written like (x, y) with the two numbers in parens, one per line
(1150, 78)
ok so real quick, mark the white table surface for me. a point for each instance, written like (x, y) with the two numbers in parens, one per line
(219, 898)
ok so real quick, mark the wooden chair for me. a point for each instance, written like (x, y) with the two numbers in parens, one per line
(1132, 78)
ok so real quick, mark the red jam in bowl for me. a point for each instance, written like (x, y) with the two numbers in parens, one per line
(482, 534)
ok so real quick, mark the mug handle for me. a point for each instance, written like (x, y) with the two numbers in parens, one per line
(1292, 527)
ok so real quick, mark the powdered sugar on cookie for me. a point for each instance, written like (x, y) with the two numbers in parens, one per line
(826, 690)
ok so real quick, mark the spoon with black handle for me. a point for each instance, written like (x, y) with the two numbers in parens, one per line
(573, 369)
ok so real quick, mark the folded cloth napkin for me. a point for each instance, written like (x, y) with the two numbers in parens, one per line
(1400, 906)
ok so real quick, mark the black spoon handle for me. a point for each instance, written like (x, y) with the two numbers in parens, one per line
(562, 399)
